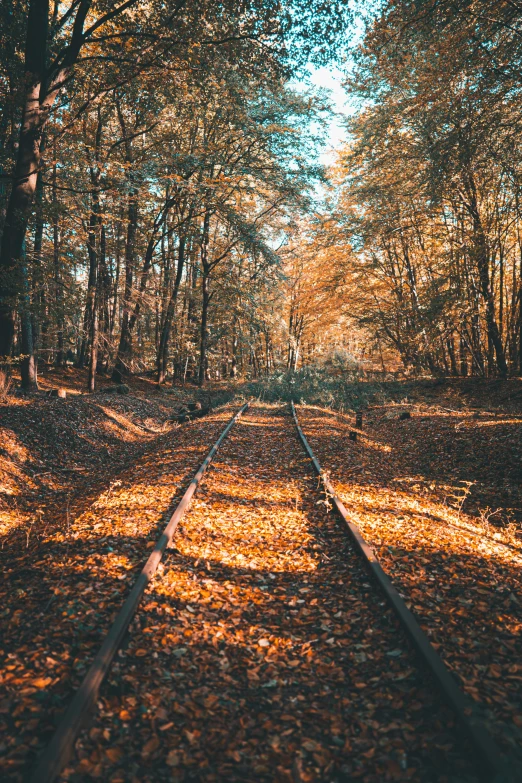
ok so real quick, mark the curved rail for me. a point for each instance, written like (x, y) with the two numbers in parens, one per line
(490, 763)
(60, 748)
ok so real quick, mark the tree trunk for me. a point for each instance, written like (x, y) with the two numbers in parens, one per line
(39, 95)
(25, 174)
(162, 358)
(93, 356)
(205, 282)
(106, 285)
(203, 345)
(233, 368)
(92, 282)
(124, 355)
(452, 357)
(481, 254)
(463, 357)
(40, 326)
(28, 368)
(60, 318)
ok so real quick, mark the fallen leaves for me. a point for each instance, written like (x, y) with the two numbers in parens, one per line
(42, 682)
(114, 754)
(150, 746)
(172, 759)
(284, 669)
(59, 596)
(456, 571)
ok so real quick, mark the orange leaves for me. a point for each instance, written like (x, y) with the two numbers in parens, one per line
(272, 665)
(114, 754)
(457, 571)
(42, 682)
(64, 588)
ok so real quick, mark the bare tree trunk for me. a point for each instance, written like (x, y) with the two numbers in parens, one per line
(93, 356)
(28, 368)
(451, 354)
(481, 253)
(105, 293)
(163, 350)
(116, 284)
(25, 174)
(233, 367)
(40, 326)
(123, 357)
(203, 343)
(40, 92)
(59, 303)
(124, 354)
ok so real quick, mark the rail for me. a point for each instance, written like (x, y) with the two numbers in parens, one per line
(60, 748)
(490, 762)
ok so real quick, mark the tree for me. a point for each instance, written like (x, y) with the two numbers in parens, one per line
(118, 47)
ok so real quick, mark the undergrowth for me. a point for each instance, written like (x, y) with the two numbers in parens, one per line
(316, 386)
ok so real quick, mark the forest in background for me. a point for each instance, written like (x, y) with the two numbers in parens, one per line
(159, 177)
(428, 189)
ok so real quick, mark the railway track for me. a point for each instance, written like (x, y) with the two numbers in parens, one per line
(263, 650)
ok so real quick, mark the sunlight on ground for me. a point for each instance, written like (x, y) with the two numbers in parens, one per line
(458, 571)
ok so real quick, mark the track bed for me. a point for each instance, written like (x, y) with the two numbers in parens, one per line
(460, 576)
(59, 593)
(262, 652)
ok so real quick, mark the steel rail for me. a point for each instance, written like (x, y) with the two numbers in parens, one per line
(491, 764)
(60, 748)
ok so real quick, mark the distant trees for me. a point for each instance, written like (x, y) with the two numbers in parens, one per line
(431, 186)
(144, 148)
(155, 178)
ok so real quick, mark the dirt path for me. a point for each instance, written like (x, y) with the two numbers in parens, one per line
(460, 576)
(262, 653)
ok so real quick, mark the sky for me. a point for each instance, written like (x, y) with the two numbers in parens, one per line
(331, 79)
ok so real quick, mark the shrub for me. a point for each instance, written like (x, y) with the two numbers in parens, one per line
(316, 386)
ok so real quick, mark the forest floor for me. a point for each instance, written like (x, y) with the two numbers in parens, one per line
(261, 652)
(438, 497)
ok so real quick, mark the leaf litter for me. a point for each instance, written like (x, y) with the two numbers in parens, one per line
(60, 593)
(262, 652)
(420, 491)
